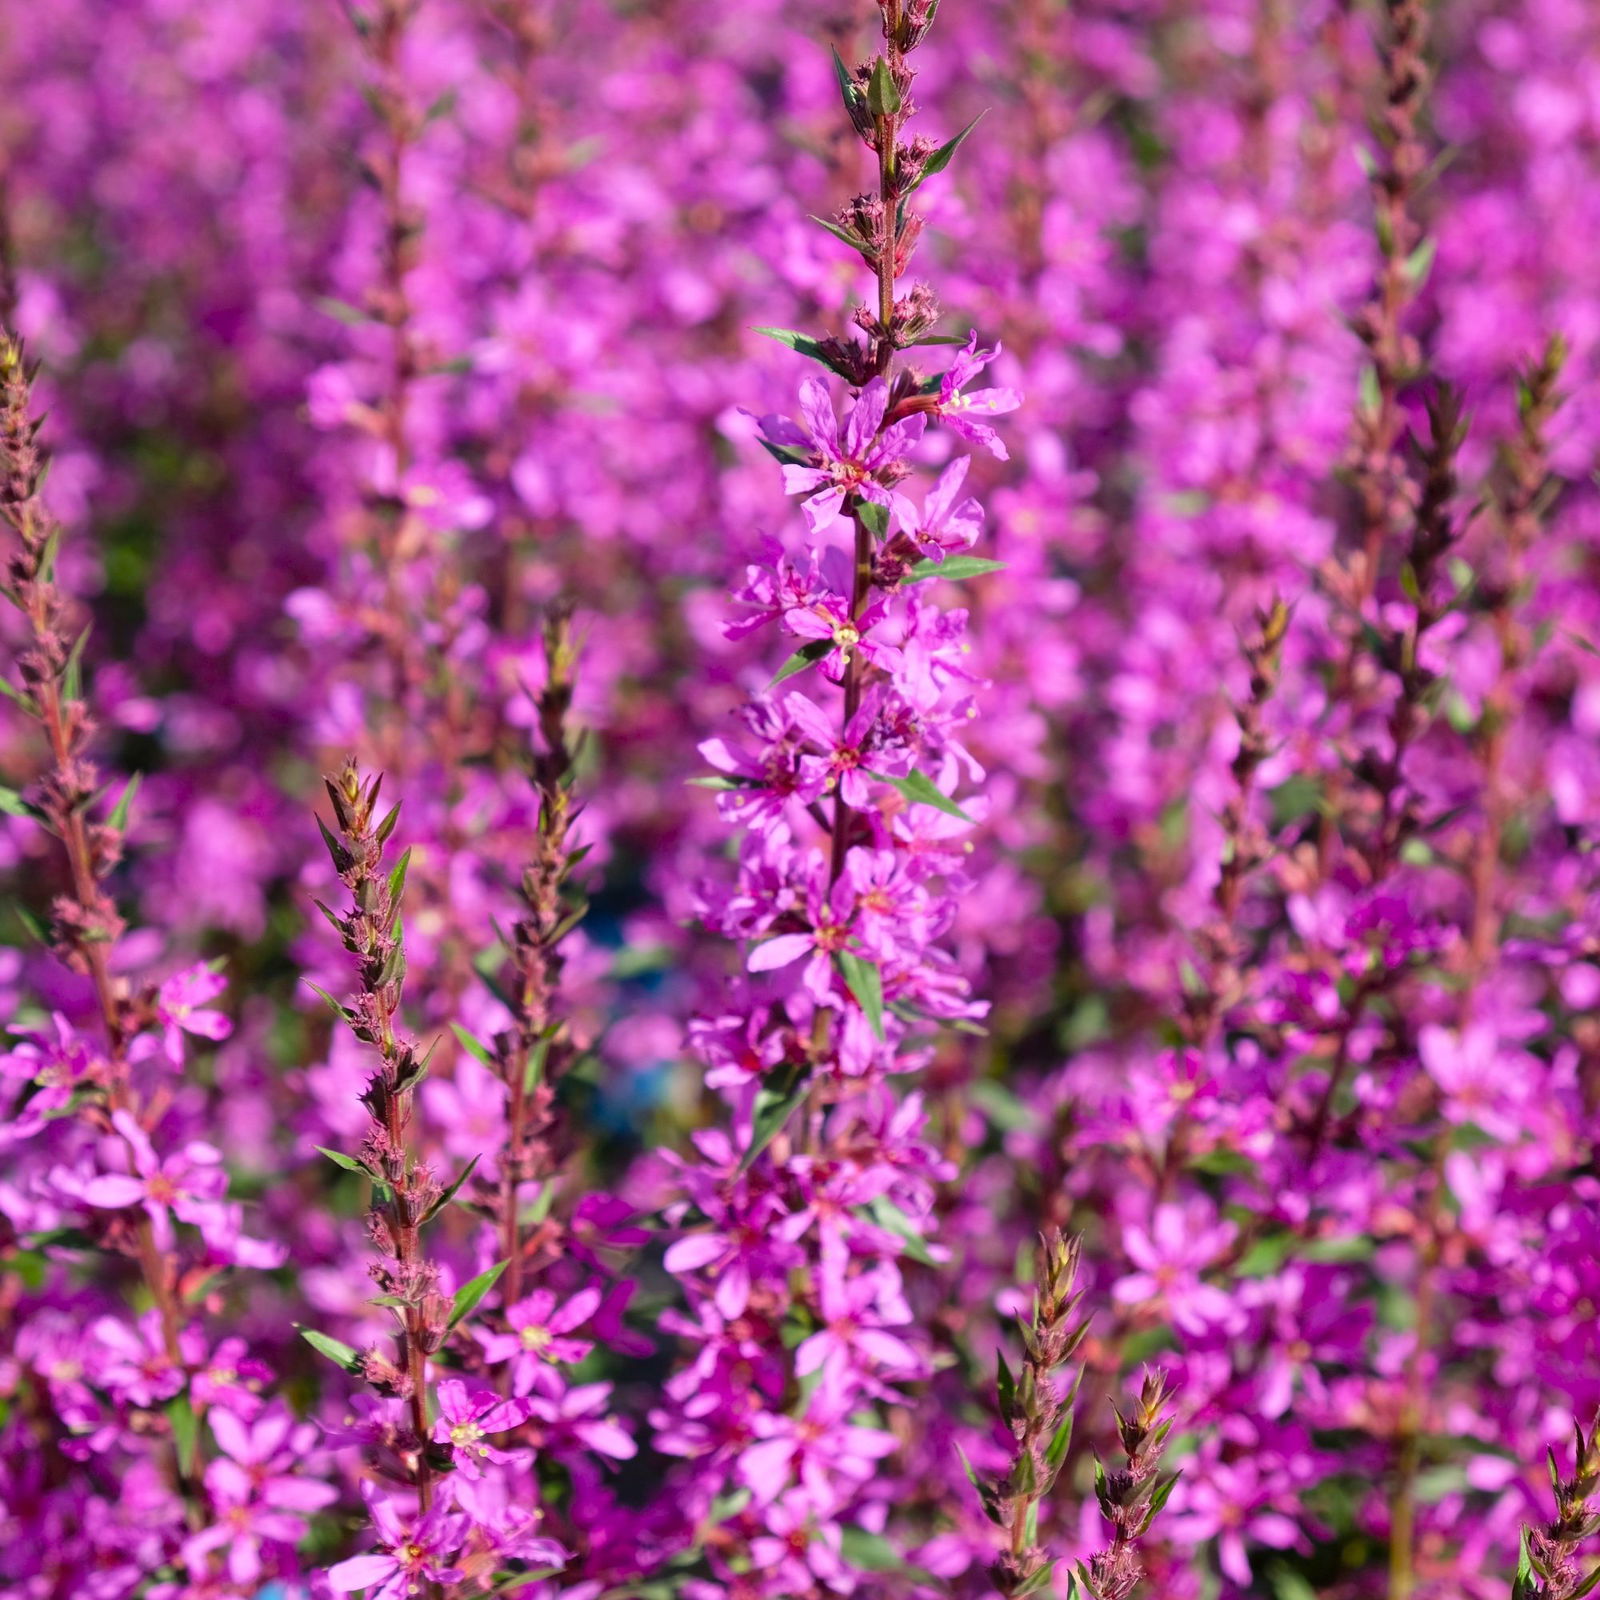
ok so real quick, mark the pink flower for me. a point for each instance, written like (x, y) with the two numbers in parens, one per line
(538, 1339)
(187, 1183)
(181, 1007)
(856, 459)
(466, 1416)
(257, 1496)
(416, 1549)
(958, 409)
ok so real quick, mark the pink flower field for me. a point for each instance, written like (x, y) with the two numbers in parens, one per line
(800, 799)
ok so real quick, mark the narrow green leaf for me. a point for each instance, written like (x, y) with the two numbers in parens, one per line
(1420, 263)
(785, 455)
(1368, 395)
(185, 1427)
(940, 159)
(874, 518)
(473, 1045)
(1060, 1443)
(847, 85)
(72, 673)
(339, 1009)
(803, 344)
(720, 781)
(450, 1193)
(842, 234)
(774, 1106)
(890, 1217)
(883, 96)
(16, 696)
(397, 878)
(868, 1552)
(342, 311)
(953, 568)
(349, 1163)
(470, 1294)
(866, 984)
(919, 789)
(119, 812)
(807, 655)
(13, 805)
(341, 1354)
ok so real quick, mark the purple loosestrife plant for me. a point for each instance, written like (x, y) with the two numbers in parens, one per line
(797, 1223)
(103, 1155)
(1547, 1566)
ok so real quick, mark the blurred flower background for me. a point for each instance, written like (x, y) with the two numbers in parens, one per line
(405, 387)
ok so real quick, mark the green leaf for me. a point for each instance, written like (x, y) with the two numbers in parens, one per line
(807, 655)
(342, 311)
(893, 1220)
(866, 984)
(341, 1009)
(919, 789)
(1368, 395)
(1523, 1584)
(13, 805)
(450, 1193)
(1003, 1108)
(940, 159)
(868, 1552)
(1060, 1443)
(785, 455)
(773, 1107)
(1420, 263)
(335, 1350)
(474, 1046)
(16, 696)
(470, 1294)
(953, 568)
(842, 234)
(349, 1163)
(397, 878)
(720, 781)
(847, 85)
(119, 812)
(803, 344)
(1005, 1384)
(72, 673)
(185, 1427)
(883, 97)
(1034, 1584)
(873, 517)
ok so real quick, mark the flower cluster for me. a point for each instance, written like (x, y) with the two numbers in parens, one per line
(849, 841)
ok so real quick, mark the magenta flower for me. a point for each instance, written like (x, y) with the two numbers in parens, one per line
(187, 1183)
(1483, 1082)
(827, 618)
(415, 1550)
(1171, 1255)
(257, 1496)
(801, 1548)
(944, 524)
(538, 1339)
(819, 1448)
(859, 458)
(583, 1415)
(1230, 1503)
(857, 1315)
(958, 409)
(830, 911)
(467, 1416)
(181, 1007)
